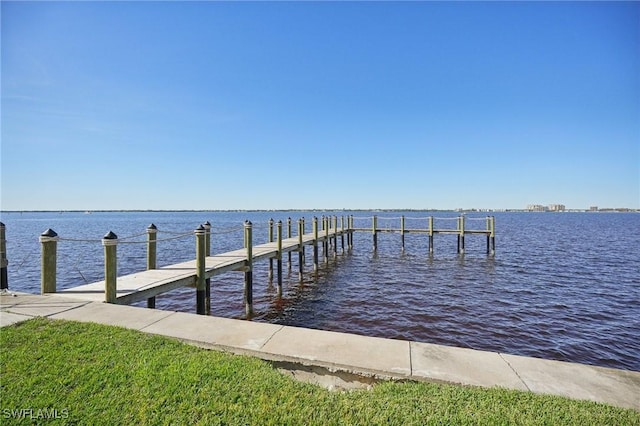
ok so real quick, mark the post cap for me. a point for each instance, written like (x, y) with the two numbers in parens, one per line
(207, 225)
(1, 225)
(279, 223)
(247, 223)
(49, 233)
(199, 230)
(152, 227)
(110, 236)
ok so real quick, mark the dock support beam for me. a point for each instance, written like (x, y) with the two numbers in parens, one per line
(461, 235)
(493, 235)
(207, 253)
(374, 230)
(402, 231)
(326, 222)
(289, 236)
(152, 233)
(430, 235)
(279, 258)
(342, 233)
(270, 239)
(200, 270)
(335, 236)
(49, 241)
(248, 274)
(315, 243)
(110, 243)
(301, 249)
(4, 279)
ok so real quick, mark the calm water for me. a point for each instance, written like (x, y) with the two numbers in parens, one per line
(561, 286)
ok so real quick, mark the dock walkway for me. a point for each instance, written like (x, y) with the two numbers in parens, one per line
(146, 284)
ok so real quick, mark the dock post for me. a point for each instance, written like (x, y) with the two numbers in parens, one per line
(301, 249)
(402, 231)
(248, 273)
(461, 237)
(270, 239)
(335, 236)
(327, 223)
(4, 279)
(49, 241)
(279, 259)
(200, 270)
(430, 235)
(374, 230)
(342, 233)
(488, 233)
(351, 226)
(493, 234)
(289, 236)
(315, 243)
(152, 233)
(110, 243)
(207, 253)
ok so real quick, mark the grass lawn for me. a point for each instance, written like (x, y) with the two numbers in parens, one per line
(94, 374)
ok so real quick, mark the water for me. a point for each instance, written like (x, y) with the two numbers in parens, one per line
(561, 286)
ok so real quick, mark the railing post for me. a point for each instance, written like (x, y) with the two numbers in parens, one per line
(200, 270)
(270, 239)
(248, 274)
(289, 236)
(326, 222)
(342, 233)
(315, 243)
(335, 236)
(374, 230)
(488, 233)
(301, 249)
(402, 231)
(461, 238)
(49, 241)
(430, 235)
(4, 263)
(110, 243)
(493, 235)
(152, 233)
(207, 253)
(279, 260)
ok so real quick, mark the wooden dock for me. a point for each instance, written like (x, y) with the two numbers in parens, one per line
(147, 284)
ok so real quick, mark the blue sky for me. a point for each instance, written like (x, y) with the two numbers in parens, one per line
(210, 105)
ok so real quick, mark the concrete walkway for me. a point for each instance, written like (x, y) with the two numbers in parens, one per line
(344, 354)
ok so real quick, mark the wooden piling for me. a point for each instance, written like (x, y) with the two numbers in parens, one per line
(342, 232)
(152, 233)
(49, 241)
(461, 237)
(351, 227)
(374, 230)
(335, 236)
(402, 231)
(289, 236)
(4, 263)
(248, 274)
(207, 253)
(493, 234)
(430, 232)
(488, 233)
(110, 243)
(200, 270)
(327, 222)
(279, 258)
(315, 243)
(301, 249)
(270, 239)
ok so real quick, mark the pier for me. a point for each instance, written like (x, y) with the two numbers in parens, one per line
(327, 233)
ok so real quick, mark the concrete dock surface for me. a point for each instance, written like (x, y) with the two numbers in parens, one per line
(343, 354)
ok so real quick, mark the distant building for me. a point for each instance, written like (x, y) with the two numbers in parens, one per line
(593, 208)
(557, 207)
(536, 208)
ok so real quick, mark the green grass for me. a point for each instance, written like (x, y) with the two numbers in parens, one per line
(95, 374)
